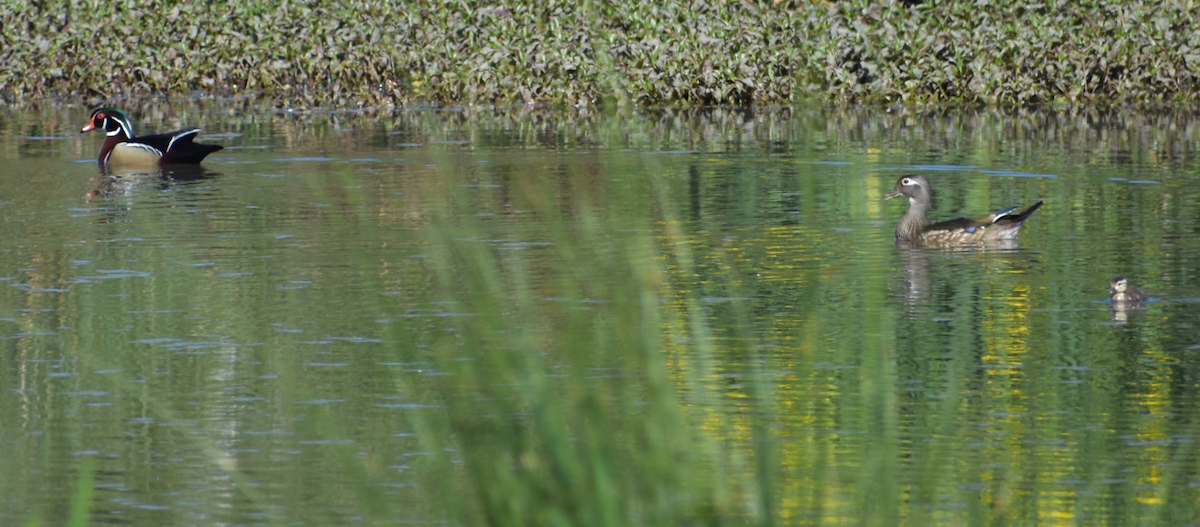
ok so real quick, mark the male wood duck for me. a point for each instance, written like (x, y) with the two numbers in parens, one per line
(915, 226)
(1121, 292)
(123, 149)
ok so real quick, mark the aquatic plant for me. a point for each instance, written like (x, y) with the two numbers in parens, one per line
(357, 53)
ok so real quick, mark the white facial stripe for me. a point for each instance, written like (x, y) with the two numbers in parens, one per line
(121, 127)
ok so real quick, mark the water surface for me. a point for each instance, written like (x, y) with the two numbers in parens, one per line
(274, 337)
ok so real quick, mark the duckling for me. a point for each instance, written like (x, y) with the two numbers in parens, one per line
(1122, 292)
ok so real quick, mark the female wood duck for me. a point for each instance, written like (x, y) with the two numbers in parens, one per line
(915, 226)
(122, 149)
(1121, 292)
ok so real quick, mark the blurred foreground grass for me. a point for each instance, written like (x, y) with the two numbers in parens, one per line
(557, 391)
(594, 381)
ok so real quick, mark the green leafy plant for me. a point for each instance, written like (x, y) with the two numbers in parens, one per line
(566, 53)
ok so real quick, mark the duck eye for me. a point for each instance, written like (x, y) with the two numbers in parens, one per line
(905, 181)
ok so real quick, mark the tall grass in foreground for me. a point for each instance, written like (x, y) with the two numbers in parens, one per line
(82, 495)
(557, 394)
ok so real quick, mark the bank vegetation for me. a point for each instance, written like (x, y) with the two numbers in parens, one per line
(550, 52)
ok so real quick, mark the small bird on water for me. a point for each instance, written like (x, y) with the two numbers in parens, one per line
(915, 225)
(1121, 292)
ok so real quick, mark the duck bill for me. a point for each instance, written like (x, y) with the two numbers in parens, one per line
(88, 128)
(895, 193)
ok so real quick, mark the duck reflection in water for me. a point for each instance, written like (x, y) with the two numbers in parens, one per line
(1125, 298)
(124, 183)
(916, 274)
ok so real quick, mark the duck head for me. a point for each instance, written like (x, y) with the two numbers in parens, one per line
(913, 187)
(114, 122)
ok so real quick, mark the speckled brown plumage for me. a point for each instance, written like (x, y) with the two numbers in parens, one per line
(915, 225)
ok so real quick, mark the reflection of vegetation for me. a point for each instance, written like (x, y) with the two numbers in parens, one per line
(1087, 140)
(347, 54)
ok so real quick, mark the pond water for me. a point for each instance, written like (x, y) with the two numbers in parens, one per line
(335, 319)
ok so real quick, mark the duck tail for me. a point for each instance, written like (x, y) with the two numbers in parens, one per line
(1018, 218)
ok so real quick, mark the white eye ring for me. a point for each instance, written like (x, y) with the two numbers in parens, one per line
(906, 182)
